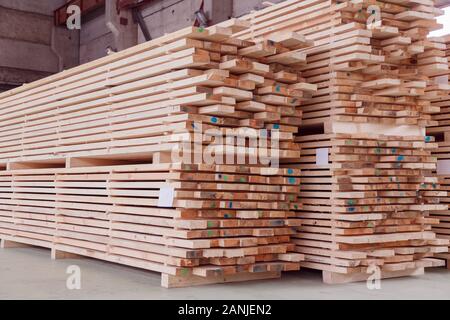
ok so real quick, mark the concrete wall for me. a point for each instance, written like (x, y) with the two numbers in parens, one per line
(165, 16)
(161, 17)
(44, 7)
(95, 36)
(242, 7)
(25, 26)
(12, 77)
(31, 47)
(102, 29)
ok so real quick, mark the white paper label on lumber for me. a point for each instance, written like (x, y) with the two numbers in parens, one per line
(443, 167)
(442, 79)
(166, 195)
(322, 157)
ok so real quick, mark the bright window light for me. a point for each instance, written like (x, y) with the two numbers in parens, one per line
(445, 21)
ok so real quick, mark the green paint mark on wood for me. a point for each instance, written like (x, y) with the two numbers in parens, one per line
(184, 272)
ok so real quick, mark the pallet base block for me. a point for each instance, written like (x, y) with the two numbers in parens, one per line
(170, 281)
(446, 260)
(186, 215)
(7, 244)
(61, 255)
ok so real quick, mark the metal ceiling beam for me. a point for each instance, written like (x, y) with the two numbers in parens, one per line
(130, 4)
(139, 19)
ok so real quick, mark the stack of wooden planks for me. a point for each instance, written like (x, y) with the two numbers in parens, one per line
(145, 157)
(101, 160)
(440, 96)
(366, 167)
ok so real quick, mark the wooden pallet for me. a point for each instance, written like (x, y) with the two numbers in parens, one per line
(369, 203)
(361, 209)
(88, 167)
(112, 213)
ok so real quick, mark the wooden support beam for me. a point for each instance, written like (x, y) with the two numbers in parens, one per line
(170, 281)
(61, 255)
(338, 278)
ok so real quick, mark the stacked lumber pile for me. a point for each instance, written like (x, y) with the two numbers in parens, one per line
(366, 166)
(439, 94)
(89, 168)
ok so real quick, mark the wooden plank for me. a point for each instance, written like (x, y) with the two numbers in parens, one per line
(168, 281)
(337, 278)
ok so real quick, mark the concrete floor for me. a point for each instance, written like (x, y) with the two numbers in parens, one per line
(29, 273)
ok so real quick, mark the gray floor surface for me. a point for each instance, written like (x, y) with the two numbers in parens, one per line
(29, 273)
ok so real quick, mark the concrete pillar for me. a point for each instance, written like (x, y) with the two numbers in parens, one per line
(95, 37)
(121, 25)
(65, 45)
(13, 77)
(166, 16)
(241, 7)
(218, 10)
(31, 46)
